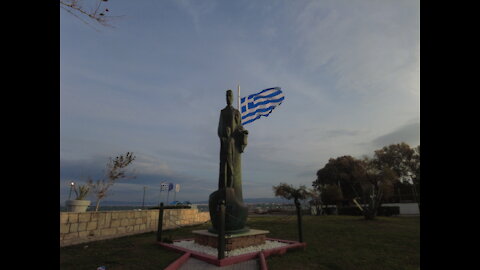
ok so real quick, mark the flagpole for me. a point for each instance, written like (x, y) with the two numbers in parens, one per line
(238, 98)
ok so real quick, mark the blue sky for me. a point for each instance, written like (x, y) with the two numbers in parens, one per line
(154, 84)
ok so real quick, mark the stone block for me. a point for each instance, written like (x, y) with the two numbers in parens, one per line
(72, 217)
(92, 225)
(108, 231)
(101, 222)
(124, 214)
(83, 234)
(73, 227)
(63, 218)
(114, 223)
(108, 218)
(94, 216)
(70, 236)
(64, 228)
(124, 222)
(121, 230)
(82, 226)
(84, 217)
(138, 221)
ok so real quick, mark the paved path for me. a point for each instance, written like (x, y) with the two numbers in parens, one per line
(195, 264)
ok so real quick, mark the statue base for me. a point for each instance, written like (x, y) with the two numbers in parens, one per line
(233, 241)
(236, 211)
(243, 230)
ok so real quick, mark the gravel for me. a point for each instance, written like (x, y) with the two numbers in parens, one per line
(190, 244)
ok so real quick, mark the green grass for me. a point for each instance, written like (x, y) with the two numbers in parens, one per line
(333, 242)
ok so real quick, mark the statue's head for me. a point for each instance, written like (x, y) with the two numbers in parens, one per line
(229, 97)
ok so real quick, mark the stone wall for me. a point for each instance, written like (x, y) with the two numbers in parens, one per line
(76, 228)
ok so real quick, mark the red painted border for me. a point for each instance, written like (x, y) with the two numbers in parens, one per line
(179, 262)
(235, 259)
(263, 262)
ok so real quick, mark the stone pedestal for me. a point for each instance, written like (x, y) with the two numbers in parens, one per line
(241, 240)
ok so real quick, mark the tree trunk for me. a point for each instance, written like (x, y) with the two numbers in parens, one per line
(97, 205)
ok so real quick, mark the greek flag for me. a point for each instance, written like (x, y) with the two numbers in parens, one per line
(260, 104)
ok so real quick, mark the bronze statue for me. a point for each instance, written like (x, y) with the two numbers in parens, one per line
(231, 146)
(233, 140)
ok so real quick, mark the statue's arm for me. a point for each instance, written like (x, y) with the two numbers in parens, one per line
(242, 133)
(238, 120)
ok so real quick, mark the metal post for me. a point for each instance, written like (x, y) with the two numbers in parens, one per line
(221, 232)
(143, 200)
(299, 221)
(238, 99)
(160, 223)
(71, 187)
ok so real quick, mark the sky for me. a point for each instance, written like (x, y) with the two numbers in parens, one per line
(155, 82)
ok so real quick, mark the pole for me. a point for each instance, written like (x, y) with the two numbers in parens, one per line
(238, 99)
(160, 223)
(143, 201)
(70, 194)
(299, 221)
(221, 232)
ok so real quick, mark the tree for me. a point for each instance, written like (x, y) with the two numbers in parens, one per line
(316, 202)
(96, 12)
(344, 172)
(404, 161)
(348, 178)
(377, 184)
(116, 170)
(289, 192)
(331, 195)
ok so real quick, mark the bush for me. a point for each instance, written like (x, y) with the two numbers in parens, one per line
(382, 211)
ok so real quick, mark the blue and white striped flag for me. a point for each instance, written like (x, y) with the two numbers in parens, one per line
(260, 104)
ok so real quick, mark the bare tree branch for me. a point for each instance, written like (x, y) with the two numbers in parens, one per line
(98, 14)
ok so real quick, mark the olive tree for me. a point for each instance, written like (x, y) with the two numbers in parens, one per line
(290, 192)
(115, 170)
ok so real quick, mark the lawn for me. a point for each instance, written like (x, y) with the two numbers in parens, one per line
(333, 242)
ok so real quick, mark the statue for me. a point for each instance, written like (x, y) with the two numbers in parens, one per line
(233, 140)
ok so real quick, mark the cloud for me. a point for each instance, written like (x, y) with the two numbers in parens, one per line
(196, 10)
(364, 46)
(409, 134)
